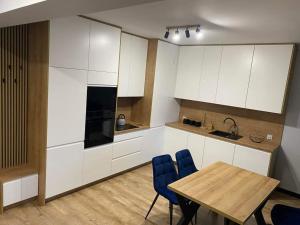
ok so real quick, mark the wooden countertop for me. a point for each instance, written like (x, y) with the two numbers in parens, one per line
(230, 191)
(139, 127)
(266, 146)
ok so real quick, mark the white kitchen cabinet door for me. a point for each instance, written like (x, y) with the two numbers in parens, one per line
(126, 162)
(195, 143)
(66, 106)
(97, 163)
(69, 42)
(29, 187)
(133, 59)
(102, 78)
(64, 168)
(165, 108)
(216, 150)
(189, 71)
(139, 49)
(153, 143)
(104, 47)
(269, 77)
(210, 74)
(127, 147)
(174, 141)
(125, 65)
(12, 192)
(234, 75)
(252, 159)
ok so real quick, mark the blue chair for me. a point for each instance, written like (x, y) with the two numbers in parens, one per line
(164, 173)
(285, 215)
(185, 163)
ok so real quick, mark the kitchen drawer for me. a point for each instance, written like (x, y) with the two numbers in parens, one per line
(127, 147)
(127, 136)
(126, 162)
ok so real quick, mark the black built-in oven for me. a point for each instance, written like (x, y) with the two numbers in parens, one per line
(100, 116)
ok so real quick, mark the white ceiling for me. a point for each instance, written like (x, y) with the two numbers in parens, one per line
(223, 21)
(59, 8)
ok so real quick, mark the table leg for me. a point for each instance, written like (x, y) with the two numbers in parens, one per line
(260, 220)
(188, 209)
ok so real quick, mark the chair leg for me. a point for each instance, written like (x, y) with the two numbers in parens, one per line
(153, 203)
(196, 215)
(171, 212)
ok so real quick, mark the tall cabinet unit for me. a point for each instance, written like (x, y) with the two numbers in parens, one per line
(82, 53)
(164, 107)
(133, 58)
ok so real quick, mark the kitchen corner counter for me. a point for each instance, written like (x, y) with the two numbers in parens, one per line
(139, 127)
(265, 146)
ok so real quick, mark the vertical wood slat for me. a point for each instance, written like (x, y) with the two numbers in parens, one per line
(13, 99)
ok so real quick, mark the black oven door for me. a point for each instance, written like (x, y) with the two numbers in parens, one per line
(100, 116)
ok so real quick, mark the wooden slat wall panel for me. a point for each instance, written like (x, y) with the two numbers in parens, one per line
(13, 100)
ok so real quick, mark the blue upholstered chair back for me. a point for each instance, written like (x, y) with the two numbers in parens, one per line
(285, 215)
(185, 163)
(164, 173)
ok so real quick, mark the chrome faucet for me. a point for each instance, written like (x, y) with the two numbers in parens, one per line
(235, 130)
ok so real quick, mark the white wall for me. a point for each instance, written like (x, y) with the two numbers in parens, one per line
(287, 167)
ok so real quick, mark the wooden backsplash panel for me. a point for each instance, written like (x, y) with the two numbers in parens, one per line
(125, 106)
(249, 121)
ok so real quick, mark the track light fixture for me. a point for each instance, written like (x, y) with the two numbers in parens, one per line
(186, 28)
(167, 34)
(187, 33)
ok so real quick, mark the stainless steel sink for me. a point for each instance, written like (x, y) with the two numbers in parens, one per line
(226, 135)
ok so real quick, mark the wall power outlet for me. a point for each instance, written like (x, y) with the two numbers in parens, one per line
(269, 137)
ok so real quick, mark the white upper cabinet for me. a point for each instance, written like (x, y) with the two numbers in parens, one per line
(133, 59)
(234, 75)
(216, 150)
(269, 77)
(66, 106)
(69, 42)
(104, 47)
(210, 74)
(189, 72)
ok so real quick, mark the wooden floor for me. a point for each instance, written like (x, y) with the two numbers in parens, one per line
(122, 200)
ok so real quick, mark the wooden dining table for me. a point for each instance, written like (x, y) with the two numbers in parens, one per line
(232, 192)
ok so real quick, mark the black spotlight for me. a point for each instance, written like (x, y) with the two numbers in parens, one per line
(167, 34)
(187, 33)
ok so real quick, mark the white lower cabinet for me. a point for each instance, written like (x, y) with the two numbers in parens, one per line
(64, 168)
(20, 189)
(195, 143)
(127, 147)
(96, 163)
(126, 162)
(216, 150)
(174, 141)
(127, 154)
(253, 160)
(153, 143)
(11, 192)
(29, 187)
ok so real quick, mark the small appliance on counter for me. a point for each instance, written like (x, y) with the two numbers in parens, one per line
(127, 126)
(121, 120)
(192, 122)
